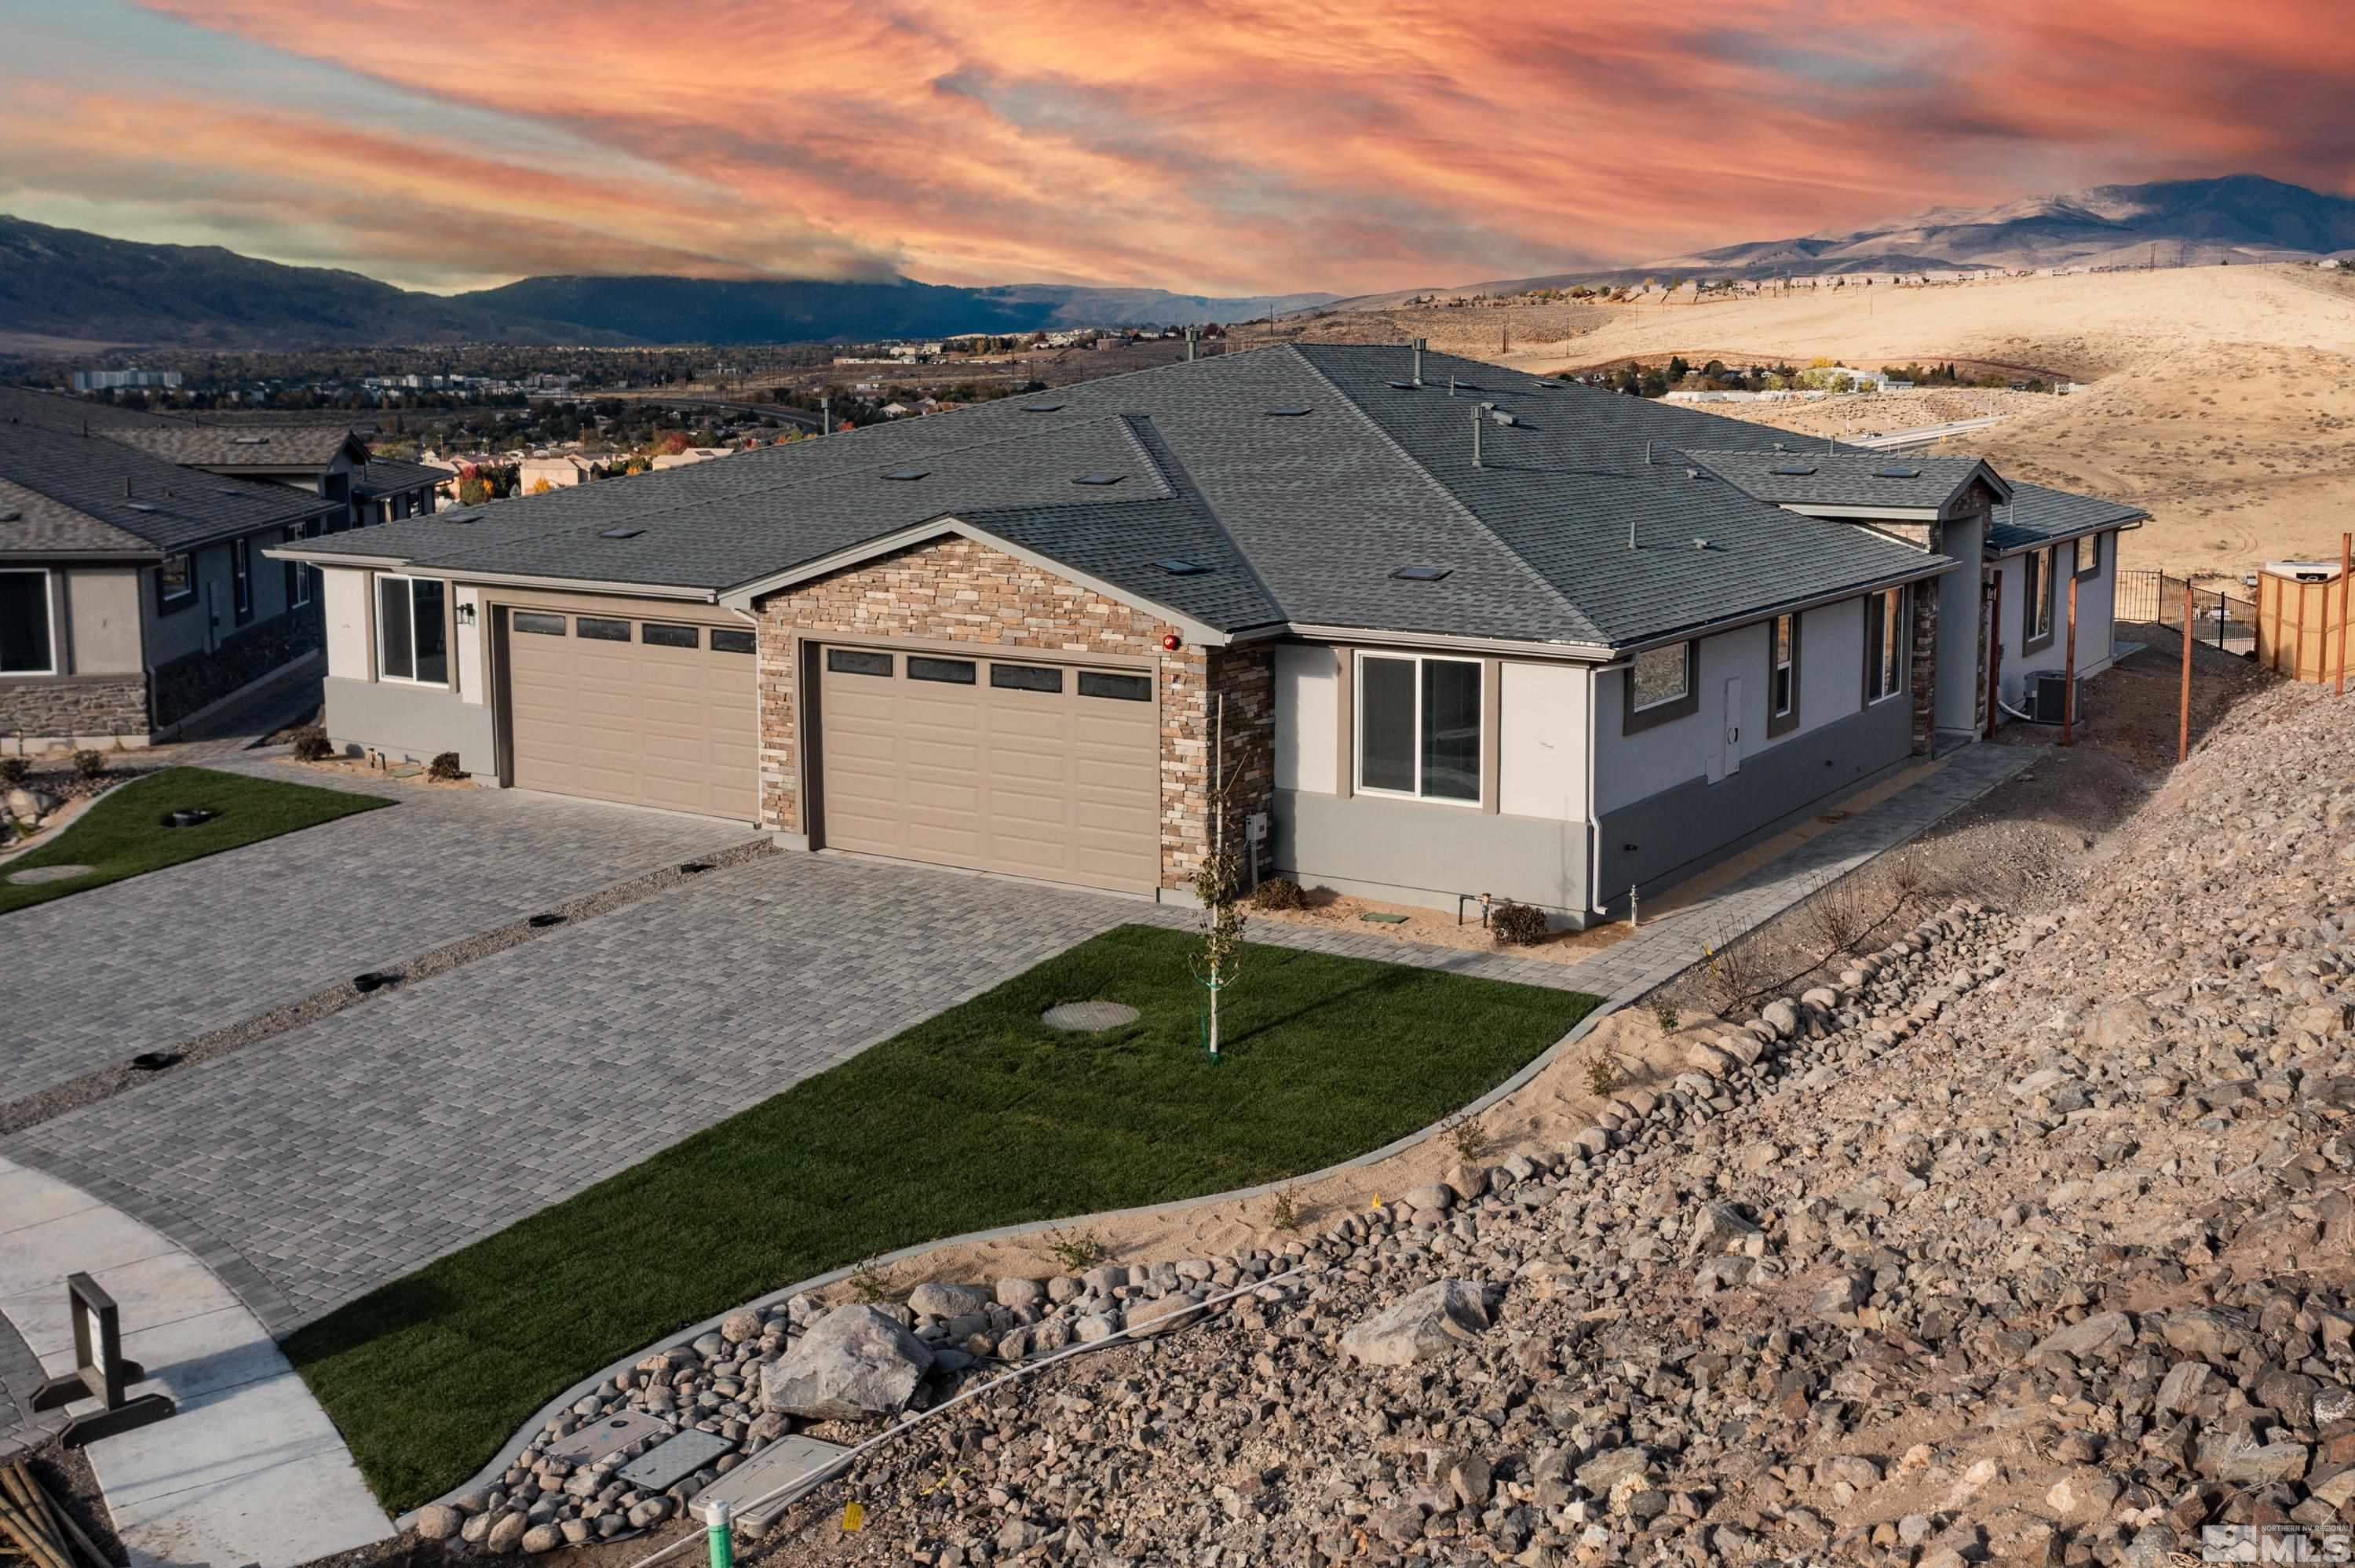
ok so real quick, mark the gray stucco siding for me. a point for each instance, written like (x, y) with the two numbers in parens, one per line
(1691, 826)
(2096, 604)
(413, 723)
(1414, 852)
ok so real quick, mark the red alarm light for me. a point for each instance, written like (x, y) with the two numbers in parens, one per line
(1170, 642)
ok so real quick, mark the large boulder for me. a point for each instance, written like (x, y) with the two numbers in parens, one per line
(936, 1300)
(854, 1364)
(1438, 1317)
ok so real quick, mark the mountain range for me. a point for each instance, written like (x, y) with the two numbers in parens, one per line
(2234, 217)
(65, 288)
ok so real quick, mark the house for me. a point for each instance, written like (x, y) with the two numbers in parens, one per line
(133, 593)
(691, 455)
(327, 459)
(558, 472)
(1508, 636)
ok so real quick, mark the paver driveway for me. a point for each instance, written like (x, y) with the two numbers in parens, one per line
(147, 962)
(346, 1152)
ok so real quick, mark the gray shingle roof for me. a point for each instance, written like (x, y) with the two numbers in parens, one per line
(385, 476)
(2039, 515)
(238, 446)
(79, 495)
(60, 411)
(1304, 471)
(1810, 478)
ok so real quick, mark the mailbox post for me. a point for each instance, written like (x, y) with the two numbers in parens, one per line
(101, 1370)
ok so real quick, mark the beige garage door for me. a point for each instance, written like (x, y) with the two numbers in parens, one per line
(1005, 765)
(626, 707)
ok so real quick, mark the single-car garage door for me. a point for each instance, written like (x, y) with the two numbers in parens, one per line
(1005, 765)
(621, 708)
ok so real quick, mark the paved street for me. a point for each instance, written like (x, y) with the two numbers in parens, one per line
(144, 963)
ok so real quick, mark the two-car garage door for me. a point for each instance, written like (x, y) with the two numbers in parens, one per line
(653, 712)
(1014, 766)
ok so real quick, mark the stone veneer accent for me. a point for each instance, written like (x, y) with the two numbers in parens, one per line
(62, 707)
(955, 589)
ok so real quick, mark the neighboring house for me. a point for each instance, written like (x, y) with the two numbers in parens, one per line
(327, 459)
(691, 455)
(133, 594)
(389, 490)
(1526, 639)
(557, 472)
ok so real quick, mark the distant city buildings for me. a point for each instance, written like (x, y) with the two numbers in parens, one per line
(119, 380)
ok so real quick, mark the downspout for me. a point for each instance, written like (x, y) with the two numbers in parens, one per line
(1593, 807)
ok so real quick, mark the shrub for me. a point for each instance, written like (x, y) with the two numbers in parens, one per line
(1836, 914)
(14, 770)
(1664, 1013)
(1075, 1250)
(312, 745)
(1600, 1076)
(89, 763)
(1280, 893)
(1282, 1210)
(1516, 925)
(1471, 1140)
(444, 765)
(870, 1283)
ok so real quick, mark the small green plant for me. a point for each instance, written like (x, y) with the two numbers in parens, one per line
(1076, 1250)
(1280, 893)
(1471, 1140)
(1601, 1078)
(869, 1282)
(14, 770)
(1664, 1013)
(1516, 924)
(89, 763)
(1283, 1211)
(444, 766)
(312, 745)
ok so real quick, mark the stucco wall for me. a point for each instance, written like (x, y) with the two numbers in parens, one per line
(1412, 852)
(101, 620)
(1958, 621)
(1631, 768)
(2096, 603)
(409, 723)
(1541, 740)
(957, 590)
(1308, 717)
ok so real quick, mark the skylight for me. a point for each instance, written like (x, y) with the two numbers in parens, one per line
(1792, 470)
(620, 532)
(1041, 408)
(1100, 479)
(248, 440)
(1294, 412)
(1405, 386)
(1178, 568)
(1897, 473)
(904, 474)
(138, 506)
(1420, 574)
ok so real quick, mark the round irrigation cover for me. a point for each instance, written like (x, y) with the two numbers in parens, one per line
(1082, 1017)
(41, 874)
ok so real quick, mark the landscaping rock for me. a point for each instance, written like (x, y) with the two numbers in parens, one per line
(854, 1364)
(438, 1521)
(1441, 1317)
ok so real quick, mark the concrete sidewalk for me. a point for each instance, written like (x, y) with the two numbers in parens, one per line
(250, 1469)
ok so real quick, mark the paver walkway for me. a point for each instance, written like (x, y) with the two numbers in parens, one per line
(249, 1469)
(343, 1154)
(146, 963)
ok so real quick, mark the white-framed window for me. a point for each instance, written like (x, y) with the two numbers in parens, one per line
(2036, 570)
(412, 640)
(298, 575)
(1418, 721)
(1784, 693)
(1661, 675)
(175, 583)
(1884, 644)
(29, 644)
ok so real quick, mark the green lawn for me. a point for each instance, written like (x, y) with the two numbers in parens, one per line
(124, 834)
(980, 1116)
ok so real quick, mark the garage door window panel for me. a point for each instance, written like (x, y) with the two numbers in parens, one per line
(857, 661)
(1116, 688)
(730, 640)
(538, 625)
(413, 638)
(1026, 678)
(598, 630)
(949, 671)
(661, 634)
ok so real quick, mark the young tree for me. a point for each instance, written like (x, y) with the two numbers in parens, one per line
(1217, 888)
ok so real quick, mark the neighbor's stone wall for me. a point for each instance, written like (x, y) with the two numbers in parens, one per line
(955, 590)
(60, 707)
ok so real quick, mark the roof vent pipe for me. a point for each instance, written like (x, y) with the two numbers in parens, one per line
(1475, 438)
(1189, 344)
(1647, 454)
(126, 487)
(1451, 386)
(1418, 361)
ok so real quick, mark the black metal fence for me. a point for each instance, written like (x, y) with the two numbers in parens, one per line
(2153, 598)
